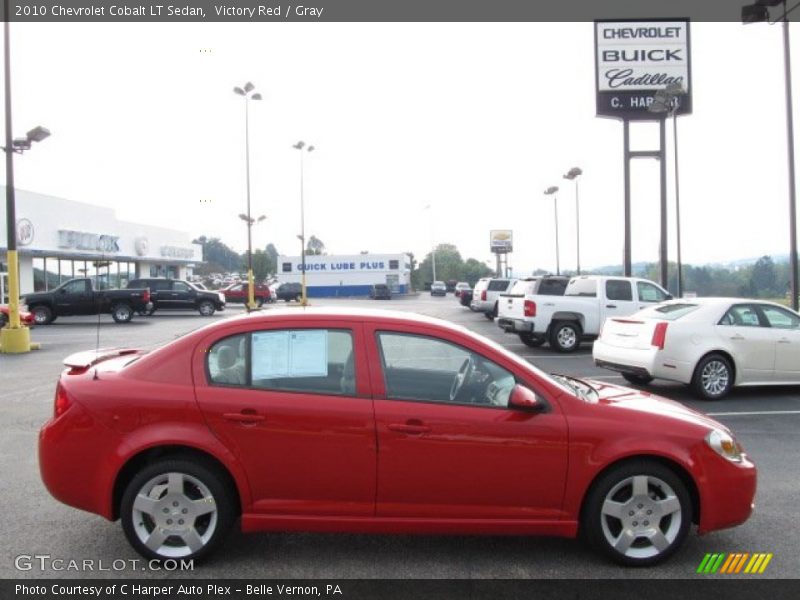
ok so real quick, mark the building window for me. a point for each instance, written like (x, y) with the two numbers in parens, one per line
(394, 264)
(287, 267)
(38, 275)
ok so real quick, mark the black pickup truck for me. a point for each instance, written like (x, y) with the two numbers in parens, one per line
(78, 297)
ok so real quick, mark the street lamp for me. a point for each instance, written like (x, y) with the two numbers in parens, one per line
(551, 191)
(758, 13)
(667, 101)
(573, 175)
(301, 145)
(15, 338)
(246, 93)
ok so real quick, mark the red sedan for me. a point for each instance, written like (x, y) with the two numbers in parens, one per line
(378, 421)
(24, 316)
(238, 292)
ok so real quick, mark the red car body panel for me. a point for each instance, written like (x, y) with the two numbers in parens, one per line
(24, 316)
(241, 295)
(341, 463)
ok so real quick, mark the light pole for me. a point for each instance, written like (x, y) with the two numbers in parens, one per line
(301, 145)
(250, 277)
(433, 244)
(551, 191)
(15, 338)
(667, 102)
(573, 175)
(245, 92)
(757, 13)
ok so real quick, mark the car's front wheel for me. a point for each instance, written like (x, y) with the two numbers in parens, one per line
(637, 513)
(206, 308)
(176, 509)
(42, 315)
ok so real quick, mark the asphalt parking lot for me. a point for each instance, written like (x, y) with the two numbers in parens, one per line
(766, 421)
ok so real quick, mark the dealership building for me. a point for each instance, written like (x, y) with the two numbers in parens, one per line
(58, 239)
(347, 274)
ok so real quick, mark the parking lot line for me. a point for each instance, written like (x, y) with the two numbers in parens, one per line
(754, 413)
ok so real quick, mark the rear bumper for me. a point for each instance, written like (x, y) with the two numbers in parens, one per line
(514, 325)
(651, 362)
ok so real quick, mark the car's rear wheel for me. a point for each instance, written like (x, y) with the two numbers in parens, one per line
(259, 302)
(530, 340)
(637, 379)
(638, 513)
(713, 377)
(176, 509)
(121, 313)
(42, 315)
(565, 336)
(206, 308)
(492, 313)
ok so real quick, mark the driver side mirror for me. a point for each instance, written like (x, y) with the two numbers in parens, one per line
(525, 399)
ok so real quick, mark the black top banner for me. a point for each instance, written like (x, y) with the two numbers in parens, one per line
(373, 10)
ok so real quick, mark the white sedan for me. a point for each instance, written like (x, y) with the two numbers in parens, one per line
(712, 344)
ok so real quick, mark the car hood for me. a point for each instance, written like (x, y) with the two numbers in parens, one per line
(620, 397)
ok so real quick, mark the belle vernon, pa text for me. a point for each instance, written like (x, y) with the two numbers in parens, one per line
(170, 10)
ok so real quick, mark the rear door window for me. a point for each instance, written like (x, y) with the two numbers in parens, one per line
(619, 289)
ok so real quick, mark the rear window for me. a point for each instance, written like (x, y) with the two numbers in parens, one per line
(670, 312)
(498, 285)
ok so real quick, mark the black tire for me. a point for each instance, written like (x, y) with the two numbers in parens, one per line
(492, 313)
(713, 377)
(206, 308)
(637, 379)
(662, 514)
(259, 302)
(197, 481)
(42, 315)
(529, 340)
(121, 313)
(565, 336)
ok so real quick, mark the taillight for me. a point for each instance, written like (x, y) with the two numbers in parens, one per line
(530, 308)
(62, 401)
(659, 335)
(483, 296)
(146, 295)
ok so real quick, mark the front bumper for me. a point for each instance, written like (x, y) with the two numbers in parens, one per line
(727, 496)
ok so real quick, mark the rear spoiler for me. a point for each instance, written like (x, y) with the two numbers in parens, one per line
(89, 358)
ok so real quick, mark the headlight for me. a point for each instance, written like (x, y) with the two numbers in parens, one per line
(724, 445)
(221, 297)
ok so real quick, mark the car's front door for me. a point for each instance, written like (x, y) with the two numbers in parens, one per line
(450, 450)
(183, 295)
(750, 342)
(293, 404)
(785, 327)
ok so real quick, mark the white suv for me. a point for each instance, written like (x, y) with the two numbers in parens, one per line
(486, 294)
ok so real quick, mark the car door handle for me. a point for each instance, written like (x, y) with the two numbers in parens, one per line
(737, 337)
(243, 417)
(408, 428)
(611, 306)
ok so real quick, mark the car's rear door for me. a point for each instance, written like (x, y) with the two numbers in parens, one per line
(463, 458)
(293, 403)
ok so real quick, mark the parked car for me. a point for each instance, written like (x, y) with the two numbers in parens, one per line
(438, 288)
(380, 291)
(486, 294)
(564, 321)
(509, 303)
(465, 298)
(712, 344)
(289, 291)
(247, 420)
(460, 287)
(239, 293)
(176, 294)
(78, 297)
(25, 316)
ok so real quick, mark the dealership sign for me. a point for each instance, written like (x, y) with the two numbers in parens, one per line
(501, 240)
(80, 240)
(635, 59)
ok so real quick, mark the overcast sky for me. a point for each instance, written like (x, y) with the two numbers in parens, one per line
(475, 120)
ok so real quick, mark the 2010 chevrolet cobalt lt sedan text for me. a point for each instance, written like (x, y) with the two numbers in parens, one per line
(377, 421)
